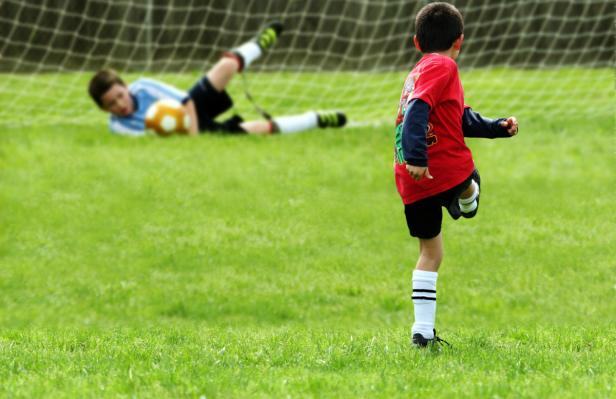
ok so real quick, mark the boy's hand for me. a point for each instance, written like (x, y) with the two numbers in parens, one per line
(417, 172)
(511, 124)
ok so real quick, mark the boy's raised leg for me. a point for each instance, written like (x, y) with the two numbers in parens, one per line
(469, 200)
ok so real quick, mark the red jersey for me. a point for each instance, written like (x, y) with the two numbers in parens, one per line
(435, 80)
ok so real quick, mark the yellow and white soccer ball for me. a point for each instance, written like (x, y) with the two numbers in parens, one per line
(167, 116)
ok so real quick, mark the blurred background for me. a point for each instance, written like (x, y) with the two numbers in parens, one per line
(347, 54)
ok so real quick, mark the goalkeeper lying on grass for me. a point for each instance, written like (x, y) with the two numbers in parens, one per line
(206, 100)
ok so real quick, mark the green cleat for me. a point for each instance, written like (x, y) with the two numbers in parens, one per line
(331, 119)
(269, 35)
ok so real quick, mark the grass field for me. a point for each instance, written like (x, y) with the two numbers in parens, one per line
(280, 267)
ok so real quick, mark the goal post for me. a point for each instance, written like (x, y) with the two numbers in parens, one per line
(346, 54)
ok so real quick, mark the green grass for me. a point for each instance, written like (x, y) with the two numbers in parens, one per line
(564, 363)
(281, 266)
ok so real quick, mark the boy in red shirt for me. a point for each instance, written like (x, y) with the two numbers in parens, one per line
(434, 168)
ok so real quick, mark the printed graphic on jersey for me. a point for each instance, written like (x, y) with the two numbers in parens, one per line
(431, 138)
(407, 94)
(405, 99)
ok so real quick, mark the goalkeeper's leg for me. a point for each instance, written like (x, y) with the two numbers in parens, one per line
(248, 52)
(242, 56)
(296, 123)
(222, 72)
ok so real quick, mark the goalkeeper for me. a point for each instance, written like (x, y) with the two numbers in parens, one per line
(206, 100)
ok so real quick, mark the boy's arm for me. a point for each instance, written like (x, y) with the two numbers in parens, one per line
(414, 147)
(415, 124)
(474, 125)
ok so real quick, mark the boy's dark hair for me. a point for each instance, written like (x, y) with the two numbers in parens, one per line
(437, 26)
(101, 82)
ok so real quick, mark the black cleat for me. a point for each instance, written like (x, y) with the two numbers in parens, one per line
(269, 35)
(331, 119)
(421, 342)
(477, 180)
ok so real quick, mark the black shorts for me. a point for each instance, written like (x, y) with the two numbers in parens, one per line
(210, 103)
(424, 217)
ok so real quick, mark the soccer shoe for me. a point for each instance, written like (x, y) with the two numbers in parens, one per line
(331, 119)
(477, 180)
(269, 35)
(421, 342)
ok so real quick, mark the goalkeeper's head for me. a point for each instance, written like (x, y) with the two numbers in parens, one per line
(110, 93)
(438, 27)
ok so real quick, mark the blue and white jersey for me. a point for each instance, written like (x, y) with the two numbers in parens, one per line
(145, 92)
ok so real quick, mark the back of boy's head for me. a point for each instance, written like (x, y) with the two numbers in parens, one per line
(437, 26)
(101, 82)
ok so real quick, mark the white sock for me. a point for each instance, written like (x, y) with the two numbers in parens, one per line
(424, 302)
(470, 204)
(249, 52)
(297, 123)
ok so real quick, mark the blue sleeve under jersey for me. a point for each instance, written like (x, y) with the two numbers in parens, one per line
(474, 125)
(415, 125)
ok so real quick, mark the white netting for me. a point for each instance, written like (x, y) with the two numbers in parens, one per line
(546, 56)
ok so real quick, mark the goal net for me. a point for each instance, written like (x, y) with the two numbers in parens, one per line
(524, 57)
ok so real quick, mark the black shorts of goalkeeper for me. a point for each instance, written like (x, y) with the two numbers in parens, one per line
(209, 104)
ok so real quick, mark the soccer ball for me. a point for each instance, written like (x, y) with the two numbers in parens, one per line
(167, 116)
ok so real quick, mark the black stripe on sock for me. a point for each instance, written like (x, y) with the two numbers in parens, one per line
(427, 298)
(417, 290)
